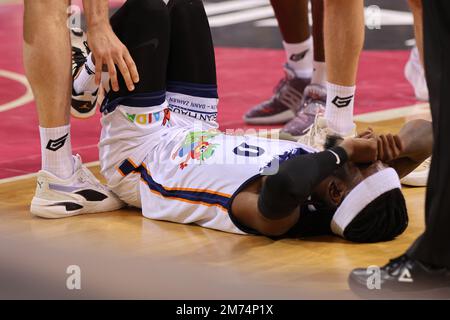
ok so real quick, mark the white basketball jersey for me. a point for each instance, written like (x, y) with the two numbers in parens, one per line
(184, 173)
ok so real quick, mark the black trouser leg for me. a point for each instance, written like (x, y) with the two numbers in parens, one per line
(191, 71)
(144, 28)
(191, 57)
(433, 247)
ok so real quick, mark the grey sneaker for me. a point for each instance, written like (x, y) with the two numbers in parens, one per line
(284, 103)
(314, 101)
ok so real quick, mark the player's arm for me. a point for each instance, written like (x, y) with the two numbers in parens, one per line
(273, 207)
(406, 150)
(106, 48)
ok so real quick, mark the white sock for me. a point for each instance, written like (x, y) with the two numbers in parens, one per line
(319, 75)
(56, 150)
(339, 108)
(85, 82)
(299, 57)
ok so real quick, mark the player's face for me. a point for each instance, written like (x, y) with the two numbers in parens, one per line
(334, 189)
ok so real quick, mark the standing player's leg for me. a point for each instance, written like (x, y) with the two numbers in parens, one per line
(292, 17)
(48, 71)
(415, 74)
(414, 71)
(47, 62)
(344, 39)
(315, 94)
(191, 71)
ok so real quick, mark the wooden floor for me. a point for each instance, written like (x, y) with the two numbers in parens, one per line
(123, 255)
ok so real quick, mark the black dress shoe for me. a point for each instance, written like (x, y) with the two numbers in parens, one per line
(402, 277)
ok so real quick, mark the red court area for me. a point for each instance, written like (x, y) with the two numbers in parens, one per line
(246, 77)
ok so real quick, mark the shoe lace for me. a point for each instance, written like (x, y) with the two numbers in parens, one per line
(314, 132)
(395, 264)
(86, 46)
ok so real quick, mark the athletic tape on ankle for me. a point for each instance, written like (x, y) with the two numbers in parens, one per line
(362, 195)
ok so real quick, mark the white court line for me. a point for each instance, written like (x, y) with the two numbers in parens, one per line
(393, 113)
(241, 16)
(24, 99)
(31, 175)
(233, 5)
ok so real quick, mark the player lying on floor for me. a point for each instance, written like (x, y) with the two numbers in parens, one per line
(160, 149)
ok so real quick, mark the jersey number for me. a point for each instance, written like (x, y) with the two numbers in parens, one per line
(247, 150)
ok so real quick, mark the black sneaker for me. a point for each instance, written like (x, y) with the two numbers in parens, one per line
(402, 277)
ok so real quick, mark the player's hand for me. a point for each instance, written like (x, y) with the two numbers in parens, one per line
(361, 150)
(108, 50)
(367, 134)
(389, 147)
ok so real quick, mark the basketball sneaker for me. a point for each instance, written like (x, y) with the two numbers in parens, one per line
(83, 104)
(320, 137)
(415, 75)
(419, 177)
(284, 103)
(80, 194)
(314, 101)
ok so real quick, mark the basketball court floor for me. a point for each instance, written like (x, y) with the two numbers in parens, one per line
(123, 255)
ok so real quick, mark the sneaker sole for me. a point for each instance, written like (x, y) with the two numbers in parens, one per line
(414, 182)
(279, 118)
(74, 113)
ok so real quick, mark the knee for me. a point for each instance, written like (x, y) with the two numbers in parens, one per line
(55, 12)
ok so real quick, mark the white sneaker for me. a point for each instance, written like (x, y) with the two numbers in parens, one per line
(415, 75)
(419, 177)
(319, 135)
(80, 194)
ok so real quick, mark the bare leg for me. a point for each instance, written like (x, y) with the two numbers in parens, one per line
(344, 38)
(48, 68)
(416, 8)
(317, 13)
(319, 67)
(292, 16)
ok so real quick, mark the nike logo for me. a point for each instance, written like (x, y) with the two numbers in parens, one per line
(298, 56)
(153, 42)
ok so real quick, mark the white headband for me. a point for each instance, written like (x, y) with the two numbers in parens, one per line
(364, 193)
